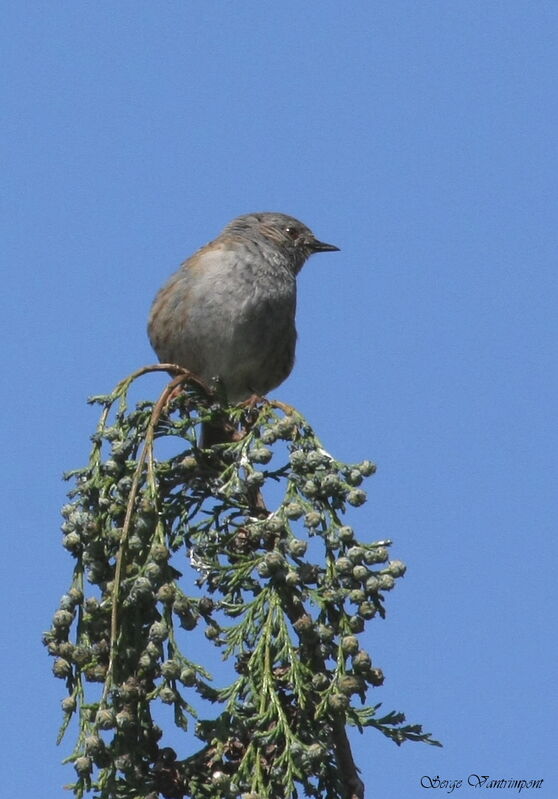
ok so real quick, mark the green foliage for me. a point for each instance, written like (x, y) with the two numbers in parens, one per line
(165, 547)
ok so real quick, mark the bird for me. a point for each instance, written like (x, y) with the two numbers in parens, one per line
(228, 313)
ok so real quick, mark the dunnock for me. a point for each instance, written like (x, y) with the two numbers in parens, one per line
(229, 311)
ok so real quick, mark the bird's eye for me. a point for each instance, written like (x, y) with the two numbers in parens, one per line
(292, 232)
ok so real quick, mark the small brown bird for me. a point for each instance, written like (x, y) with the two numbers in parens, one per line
(229, 311)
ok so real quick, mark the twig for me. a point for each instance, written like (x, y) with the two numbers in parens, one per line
(146, 452)
(354, 787)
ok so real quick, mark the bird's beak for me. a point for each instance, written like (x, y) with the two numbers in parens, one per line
(321, 246)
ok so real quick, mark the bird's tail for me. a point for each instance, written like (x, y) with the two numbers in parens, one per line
(218, 431)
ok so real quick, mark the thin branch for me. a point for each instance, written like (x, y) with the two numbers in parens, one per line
(147, 452)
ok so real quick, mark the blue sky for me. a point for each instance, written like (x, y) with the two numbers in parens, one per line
(421, 138)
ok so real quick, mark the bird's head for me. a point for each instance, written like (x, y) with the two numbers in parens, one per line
(291, 237)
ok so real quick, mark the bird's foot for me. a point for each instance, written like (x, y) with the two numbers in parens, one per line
(251, 402)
